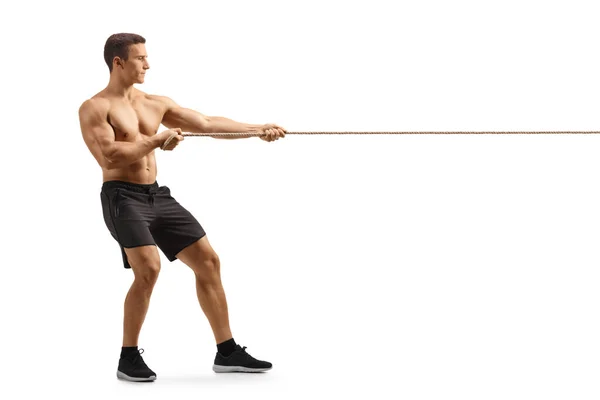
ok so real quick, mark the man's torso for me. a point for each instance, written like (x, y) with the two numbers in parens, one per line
(131, 121)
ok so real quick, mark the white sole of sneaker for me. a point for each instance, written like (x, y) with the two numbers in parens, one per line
(126, 377)
(223, 368)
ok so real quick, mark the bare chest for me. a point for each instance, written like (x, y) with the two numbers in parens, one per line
(129, 121)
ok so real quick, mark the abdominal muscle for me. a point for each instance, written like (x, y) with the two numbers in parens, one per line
(142, 171)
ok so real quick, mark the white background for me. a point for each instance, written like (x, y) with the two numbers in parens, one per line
(407, 266)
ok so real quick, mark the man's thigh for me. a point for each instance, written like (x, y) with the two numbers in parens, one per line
(128, 218)
(144, 260)
(197, 253)
(175, 227)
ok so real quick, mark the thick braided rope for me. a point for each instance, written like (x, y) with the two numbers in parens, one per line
(250, 134)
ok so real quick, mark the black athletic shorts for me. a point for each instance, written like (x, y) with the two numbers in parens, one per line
(140, 215)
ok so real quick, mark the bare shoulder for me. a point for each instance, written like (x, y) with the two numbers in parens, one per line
(165, 101)
(95, 107)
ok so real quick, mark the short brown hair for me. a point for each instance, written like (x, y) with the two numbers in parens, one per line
(117, 45)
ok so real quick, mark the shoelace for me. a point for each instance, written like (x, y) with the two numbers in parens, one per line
(249, 356)
(137, 358)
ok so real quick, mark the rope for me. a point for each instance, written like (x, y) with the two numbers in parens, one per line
(251, 134)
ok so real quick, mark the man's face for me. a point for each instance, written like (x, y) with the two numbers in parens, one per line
(137, 63)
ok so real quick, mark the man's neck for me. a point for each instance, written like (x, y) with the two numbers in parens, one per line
(120, 89)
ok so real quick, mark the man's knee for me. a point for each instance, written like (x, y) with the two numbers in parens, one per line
(148, 274)
(202, 259)
(209, 267)
(145, 263)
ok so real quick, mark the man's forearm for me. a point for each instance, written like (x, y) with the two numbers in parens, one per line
(224, 125)
(125, 153)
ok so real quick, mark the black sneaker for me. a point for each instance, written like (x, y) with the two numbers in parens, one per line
(240, 361)
(134, 369)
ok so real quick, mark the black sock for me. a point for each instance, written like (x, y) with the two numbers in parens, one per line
(226, 348)
(128, 351)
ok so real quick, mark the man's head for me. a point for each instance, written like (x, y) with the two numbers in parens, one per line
(125, 54)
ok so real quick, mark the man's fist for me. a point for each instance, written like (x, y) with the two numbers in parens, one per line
(271, 132)
(170, 138)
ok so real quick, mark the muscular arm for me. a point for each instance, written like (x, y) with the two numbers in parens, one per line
(100, 137)
(192, 121)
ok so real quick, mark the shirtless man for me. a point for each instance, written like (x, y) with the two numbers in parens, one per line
(119, 126)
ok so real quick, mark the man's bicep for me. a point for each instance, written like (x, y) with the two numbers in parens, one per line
(95, 128)
(187, 119)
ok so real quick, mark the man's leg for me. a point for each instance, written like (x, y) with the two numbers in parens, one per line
(203, 260)
(145, 263)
